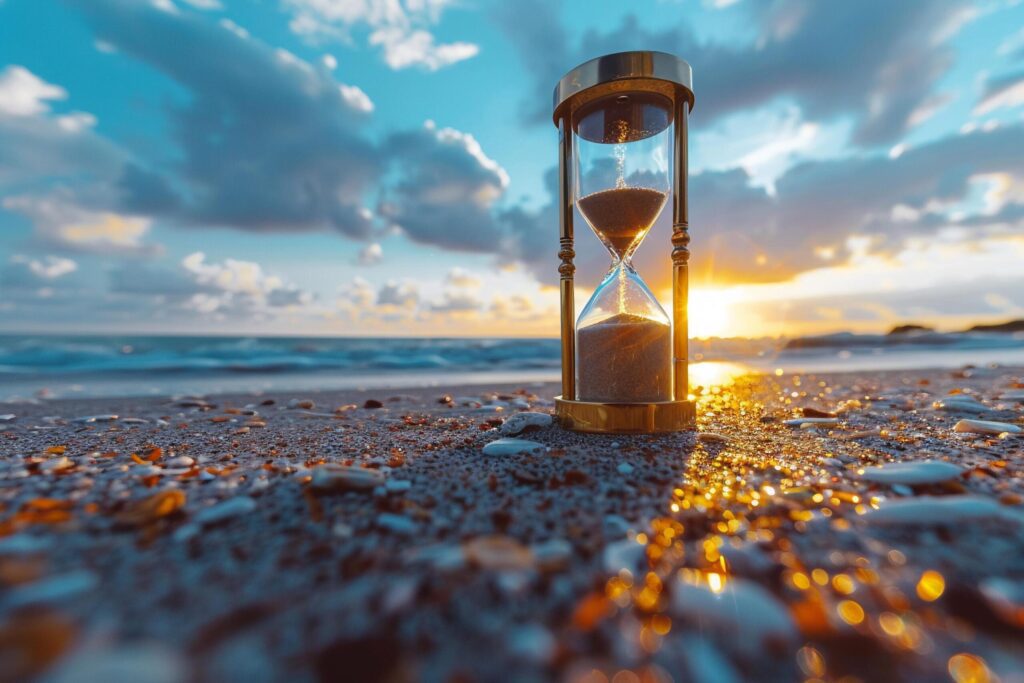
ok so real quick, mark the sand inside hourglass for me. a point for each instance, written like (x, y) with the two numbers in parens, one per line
(625, 357)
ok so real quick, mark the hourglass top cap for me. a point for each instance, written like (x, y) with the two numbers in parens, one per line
(622, 72)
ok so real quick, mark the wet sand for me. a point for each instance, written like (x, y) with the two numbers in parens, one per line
(187, 540)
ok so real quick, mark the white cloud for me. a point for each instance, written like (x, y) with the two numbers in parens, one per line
(22, 93)
(403, 49)
(204, 4)
(400, 29)
(76, 121)
(49, 268)
(356, 98)
(1012, 95)
(60, 221)
(370, 255)
(460, 277)
(241, 286)
(229, 25)
(330, 61)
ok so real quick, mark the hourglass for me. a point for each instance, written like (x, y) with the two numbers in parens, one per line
(622, 138)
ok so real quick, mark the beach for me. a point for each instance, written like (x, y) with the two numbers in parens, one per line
(829, 527)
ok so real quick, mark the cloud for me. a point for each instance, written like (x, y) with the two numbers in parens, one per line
(26, 273)
(370, 255)
(230, 288)
(398, 294)
(879, 83)
(38, 148)
(401, 30)
(446, 190)
(462, 278)
(51, 267)
(457, 302)
(267, 142)
(59, 221)
(1000, 93)
(22, 93)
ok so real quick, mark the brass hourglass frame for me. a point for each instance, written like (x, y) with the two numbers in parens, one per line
(624, 73)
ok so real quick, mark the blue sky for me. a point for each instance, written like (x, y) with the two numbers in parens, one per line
(384, 167)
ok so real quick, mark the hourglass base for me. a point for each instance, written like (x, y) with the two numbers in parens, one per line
(626, 418)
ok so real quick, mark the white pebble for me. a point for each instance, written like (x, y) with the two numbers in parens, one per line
(520, 422)
(985, 427)
(752, 617)
(233, 507)
(954, 510)
(961, 403)
(180, 461)
(813, 421)
(503, 447)
(625, 468)
(913, 473)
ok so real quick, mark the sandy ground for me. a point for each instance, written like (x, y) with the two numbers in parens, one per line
(206, 540)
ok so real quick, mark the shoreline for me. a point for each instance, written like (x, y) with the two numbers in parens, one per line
(748, 549)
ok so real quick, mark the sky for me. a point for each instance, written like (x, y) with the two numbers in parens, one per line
(386, 167)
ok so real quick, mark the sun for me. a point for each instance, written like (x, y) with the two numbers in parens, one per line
(710, 313)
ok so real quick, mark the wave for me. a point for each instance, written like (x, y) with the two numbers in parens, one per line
(39, 355)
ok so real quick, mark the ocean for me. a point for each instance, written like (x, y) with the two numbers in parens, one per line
(91, 366)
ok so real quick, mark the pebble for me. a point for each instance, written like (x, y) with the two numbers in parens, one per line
(521, 422)
(372, 404)
(985, 427)
(961, 403)
(225, 510)
(913, 473)
(57, 464)
(711, 437)
(520, 403)
(180, 461)
(136, 662)
(497, 552)
(625, 468)
(533, 643)
(398, 485)
(615, 526)
(813, 421)
(707, 664)
(752, 617)
(7, 417)
(552, 555)
(89, 419)
(624, 554)
(398, 524)
(55, 590)
(331, 478)
(1006, 598)
(24, 544)
(940, 510)
(305, 404)
(503, 447)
